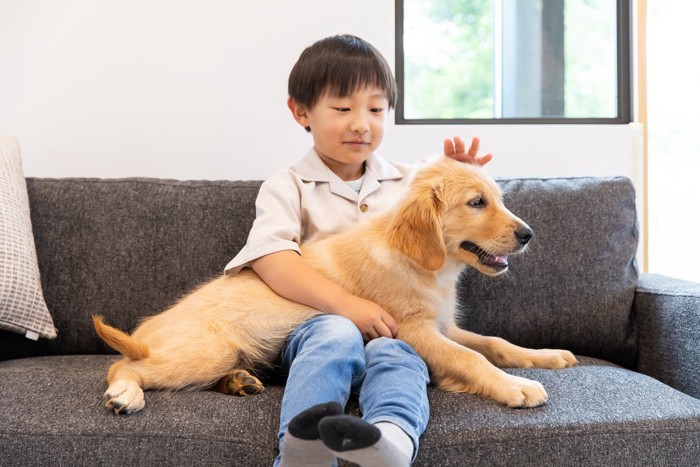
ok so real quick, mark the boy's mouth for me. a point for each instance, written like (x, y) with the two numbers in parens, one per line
(356, 145)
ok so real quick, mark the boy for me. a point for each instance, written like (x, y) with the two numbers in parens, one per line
(340, 90)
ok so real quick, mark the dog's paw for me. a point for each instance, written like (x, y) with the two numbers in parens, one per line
(552, 359)
(517, 392)
(124, 397)
(240, 383)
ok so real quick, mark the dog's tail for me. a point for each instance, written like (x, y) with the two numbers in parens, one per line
(119, 340)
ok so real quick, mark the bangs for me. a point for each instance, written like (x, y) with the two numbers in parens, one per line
(340, 66)
(343, 78)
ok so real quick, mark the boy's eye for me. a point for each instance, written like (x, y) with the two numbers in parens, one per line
(377, 110)
(342, 109)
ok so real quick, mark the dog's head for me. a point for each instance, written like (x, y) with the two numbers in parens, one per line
(455, 209)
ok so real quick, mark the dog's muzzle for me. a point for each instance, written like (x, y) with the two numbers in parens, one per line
(498, 261)
(488, 259)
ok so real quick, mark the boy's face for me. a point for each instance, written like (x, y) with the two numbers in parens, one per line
(346, 130)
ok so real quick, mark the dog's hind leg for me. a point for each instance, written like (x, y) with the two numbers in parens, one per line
(124, 394)
(240, 383)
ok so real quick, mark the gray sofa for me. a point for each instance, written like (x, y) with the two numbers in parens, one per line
(128, 248)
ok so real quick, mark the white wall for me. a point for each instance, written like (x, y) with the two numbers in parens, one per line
(184, 89)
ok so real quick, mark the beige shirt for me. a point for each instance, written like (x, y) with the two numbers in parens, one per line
(308, 201)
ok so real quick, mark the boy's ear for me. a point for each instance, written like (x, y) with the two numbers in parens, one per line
(299, 112)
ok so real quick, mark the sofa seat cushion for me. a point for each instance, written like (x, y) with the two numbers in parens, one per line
(597, 414)
(54, 414)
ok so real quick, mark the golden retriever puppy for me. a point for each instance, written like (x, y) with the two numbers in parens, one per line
(407, 260)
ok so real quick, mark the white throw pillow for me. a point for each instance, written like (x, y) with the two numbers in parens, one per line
(22, 305)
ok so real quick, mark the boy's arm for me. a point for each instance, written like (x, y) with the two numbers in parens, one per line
(456, 148)
(290, 276)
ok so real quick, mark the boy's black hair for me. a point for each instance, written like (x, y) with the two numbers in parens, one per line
(339, 65)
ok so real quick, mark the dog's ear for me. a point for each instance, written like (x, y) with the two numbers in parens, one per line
(416, 230)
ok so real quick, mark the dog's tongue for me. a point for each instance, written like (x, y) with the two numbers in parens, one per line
(498, 259)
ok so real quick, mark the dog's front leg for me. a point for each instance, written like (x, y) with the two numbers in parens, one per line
(459, 369)
(503, 354)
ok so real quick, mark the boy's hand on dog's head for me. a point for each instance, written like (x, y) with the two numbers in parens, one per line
(456, 148)
(371, 319)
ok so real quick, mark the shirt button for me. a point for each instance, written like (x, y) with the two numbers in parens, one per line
(364, 207)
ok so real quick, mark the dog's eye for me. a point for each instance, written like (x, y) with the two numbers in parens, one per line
(477, 203)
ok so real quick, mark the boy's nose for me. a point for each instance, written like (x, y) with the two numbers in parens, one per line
(359, 124)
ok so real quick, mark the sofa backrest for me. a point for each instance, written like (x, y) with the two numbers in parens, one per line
(573, 288)
(128, 248)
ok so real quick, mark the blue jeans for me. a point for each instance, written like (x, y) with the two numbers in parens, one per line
(326, 360)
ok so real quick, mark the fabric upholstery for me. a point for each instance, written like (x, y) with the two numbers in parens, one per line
(22, 306)
(668, 316)
(573, 288)
(597, 414)
(181, 428)
(127, 248)
(173, 235)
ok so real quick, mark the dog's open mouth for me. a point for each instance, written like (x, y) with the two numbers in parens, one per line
(494, 261)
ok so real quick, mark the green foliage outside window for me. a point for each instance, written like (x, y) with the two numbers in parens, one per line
(449, 59)
(452, 59)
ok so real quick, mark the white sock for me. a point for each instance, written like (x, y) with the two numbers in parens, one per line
(301, 446)
(355, 440)
(297, 452)
(395, 434)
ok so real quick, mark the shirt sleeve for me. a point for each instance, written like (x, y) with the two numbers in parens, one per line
(277, 225)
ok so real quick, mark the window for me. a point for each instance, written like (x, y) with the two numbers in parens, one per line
(513, 61)
(673, 98)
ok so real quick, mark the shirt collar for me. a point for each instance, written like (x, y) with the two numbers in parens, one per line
(312, 169)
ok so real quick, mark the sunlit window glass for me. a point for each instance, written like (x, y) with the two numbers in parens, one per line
(510, 59)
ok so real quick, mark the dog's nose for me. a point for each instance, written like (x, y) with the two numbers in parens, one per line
(524, 234)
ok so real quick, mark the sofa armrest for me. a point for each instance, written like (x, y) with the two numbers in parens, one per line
(668, 323)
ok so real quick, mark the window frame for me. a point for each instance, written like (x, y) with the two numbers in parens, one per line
(624, 81)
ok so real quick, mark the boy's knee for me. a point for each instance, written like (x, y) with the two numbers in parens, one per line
(339, 325)
(386, 345)
(395, 351)
(326, 340)
(391, 348)
(338, 330)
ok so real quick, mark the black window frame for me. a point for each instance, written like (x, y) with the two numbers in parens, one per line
(624, 80)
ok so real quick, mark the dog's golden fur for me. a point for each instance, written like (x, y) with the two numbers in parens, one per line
(407, 260)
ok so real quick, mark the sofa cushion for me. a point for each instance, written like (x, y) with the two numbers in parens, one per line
(574, 286)
(54, 414)
(127, 249)
(22, 306)
(597, 414)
